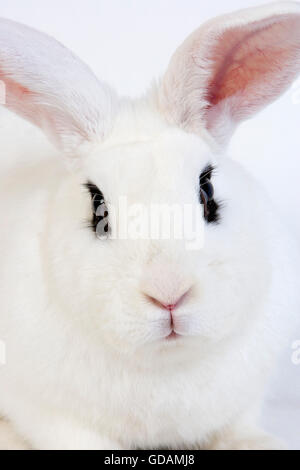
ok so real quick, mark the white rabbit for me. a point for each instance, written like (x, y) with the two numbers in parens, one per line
(115, 343)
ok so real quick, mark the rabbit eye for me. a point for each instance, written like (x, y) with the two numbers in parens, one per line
(99, 221)
(206, 196)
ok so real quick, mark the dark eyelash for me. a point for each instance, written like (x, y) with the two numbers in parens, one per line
(97, 198)
(213, 206)
(208, 172)
(213, 211)
(93, 189)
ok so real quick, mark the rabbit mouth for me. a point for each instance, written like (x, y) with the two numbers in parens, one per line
(173, 335)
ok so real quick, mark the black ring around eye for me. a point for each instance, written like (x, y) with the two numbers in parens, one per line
(97, 200)
(207, 194)
(204, 202)
(100, 211)
(208, 188)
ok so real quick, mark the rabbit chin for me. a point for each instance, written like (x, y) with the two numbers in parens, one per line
(198, 332)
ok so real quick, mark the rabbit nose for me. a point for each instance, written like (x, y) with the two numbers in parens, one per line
(165, 305)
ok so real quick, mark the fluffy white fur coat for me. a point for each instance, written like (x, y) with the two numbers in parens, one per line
(88, 365)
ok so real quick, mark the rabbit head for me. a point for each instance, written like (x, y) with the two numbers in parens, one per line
(134, 289)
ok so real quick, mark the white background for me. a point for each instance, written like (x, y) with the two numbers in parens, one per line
(127, 43)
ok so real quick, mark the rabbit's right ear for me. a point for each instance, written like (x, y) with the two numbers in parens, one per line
(232, 67)
(48, 85)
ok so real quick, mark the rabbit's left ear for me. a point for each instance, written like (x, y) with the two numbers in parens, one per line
(48, 85)
(231, 68)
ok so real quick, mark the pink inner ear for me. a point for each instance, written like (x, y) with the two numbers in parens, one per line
(20, 99)
(245, 59)
(13, 87)
(231, 68)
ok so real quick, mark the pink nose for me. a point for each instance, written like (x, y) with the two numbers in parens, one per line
(170, 307)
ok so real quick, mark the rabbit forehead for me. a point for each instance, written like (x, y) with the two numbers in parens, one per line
(160, 163)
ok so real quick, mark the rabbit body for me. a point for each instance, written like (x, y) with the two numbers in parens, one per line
(90, 363)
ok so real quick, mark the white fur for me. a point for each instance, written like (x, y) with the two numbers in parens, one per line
(51, 87)
(88, 366)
